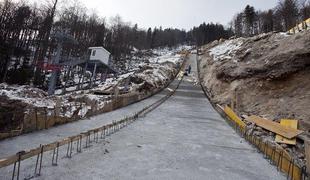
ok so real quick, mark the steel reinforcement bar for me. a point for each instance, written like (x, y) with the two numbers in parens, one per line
(87, 138)
(271, 151)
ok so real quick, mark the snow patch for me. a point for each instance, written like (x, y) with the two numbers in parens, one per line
(26, 94)
(226, 49)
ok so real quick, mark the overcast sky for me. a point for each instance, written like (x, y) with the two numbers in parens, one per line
(182, 14)
(174, 13)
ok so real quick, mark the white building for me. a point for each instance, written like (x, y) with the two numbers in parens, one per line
(99, 54)
(99, 61)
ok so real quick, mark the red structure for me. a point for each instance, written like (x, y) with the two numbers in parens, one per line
(50, 67)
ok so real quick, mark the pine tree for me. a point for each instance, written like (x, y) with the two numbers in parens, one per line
(149, 38)
(238, 25)
(249, 16)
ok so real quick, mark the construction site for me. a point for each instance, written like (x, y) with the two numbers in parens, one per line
(206, 103)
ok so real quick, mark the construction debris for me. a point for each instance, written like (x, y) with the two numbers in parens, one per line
(275, 127)
(287, 123)
(265, 75)
(28, 109)
(271, 150)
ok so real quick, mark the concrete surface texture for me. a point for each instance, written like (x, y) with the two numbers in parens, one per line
(32, 140)
(184, 138)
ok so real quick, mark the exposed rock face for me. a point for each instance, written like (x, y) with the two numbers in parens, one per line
(266, 75)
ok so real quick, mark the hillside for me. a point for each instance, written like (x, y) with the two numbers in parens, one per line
(266, 75)
(19, 103)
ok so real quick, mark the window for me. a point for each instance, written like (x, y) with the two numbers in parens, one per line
(94, 53)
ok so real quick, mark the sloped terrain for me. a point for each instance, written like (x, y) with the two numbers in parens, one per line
(266, 75)
(22, 107)
(184, 138)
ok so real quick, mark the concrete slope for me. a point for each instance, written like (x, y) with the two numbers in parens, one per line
(32, 140)
(184, 138)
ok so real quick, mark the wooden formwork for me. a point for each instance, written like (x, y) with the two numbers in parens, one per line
(43, 118)
(94, 134)
(274, 152)
(55, 118)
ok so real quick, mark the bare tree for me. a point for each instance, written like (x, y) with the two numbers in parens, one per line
(26, 41)
(305, 9)
(266, 21)
(288, 9)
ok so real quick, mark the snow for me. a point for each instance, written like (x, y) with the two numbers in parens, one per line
(134, 49)
(226, 49)
(193, 143)
(93, 97)
(69, 111)
(26, 94)
(126, 75)
(84, 111)
(168, 57)
(158, 73)
(284, 34)
(81, 102)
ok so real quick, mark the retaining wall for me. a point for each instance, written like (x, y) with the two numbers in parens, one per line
(44, 118)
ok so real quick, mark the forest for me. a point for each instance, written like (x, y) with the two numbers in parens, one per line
(281, 18)
(27, 30)
(27, 33)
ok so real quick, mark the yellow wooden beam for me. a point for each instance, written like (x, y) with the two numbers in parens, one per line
(287, 123)
(275, 127)
(234, 117)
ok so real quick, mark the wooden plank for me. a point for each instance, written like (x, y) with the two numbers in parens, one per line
(8, 161)
(31, 153)
(233, 116)
(64, 142)
(48, 147)
(275, 127)
(287, 123)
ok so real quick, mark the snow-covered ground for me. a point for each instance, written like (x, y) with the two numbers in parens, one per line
(184, 138)
(27, 95)
(226, 49)
(147, 77)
